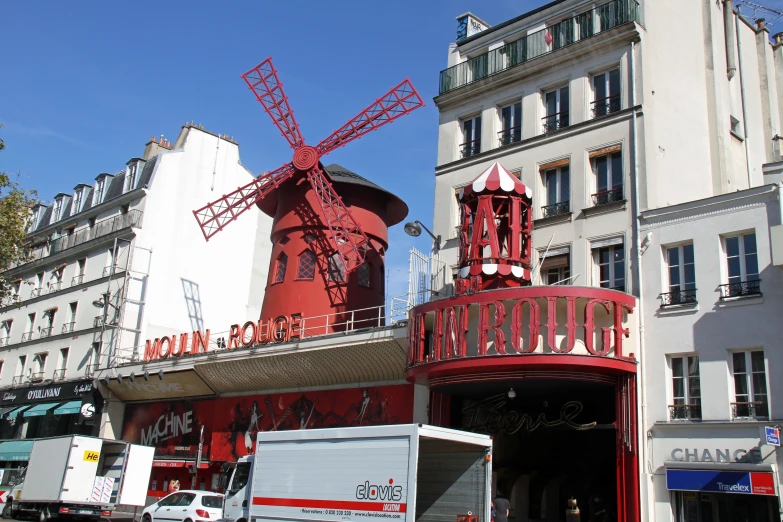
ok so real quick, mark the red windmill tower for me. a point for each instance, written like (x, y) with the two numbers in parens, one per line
(320, 235)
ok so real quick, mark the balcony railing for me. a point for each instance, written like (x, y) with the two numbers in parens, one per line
(36, 376)
(606, 106)
(27, 336)
(109, 270)
(685, 411)
(90, 369)
(45, 332)
(564, 207)
(36, 293)
(55, 287)
(68, 327)
(77, 280)
(749, 410)
(607, 196)
(59, 375)
(569, 31)
(510, 135)
(4, 340)
(470, 148)
(679, 297)
(132, 218)
(18, 379)
(556, 121)
(743, 289)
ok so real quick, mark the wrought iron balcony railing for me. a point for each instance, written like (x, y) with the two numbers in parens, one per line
(510, 135)
(556, 121)
(749, 410)
(742, 289)
(557, 209)
(470, 148)
(679, 297)
(55, 287)
(606, 106)
(130, 219)
(607, 196)
(570, 31)
(685, 411)
(68, 327)
(45, 332)
(90, 369)
(36, 376)
(27, 336)
(36, 293)
(4, 340)
(77, 280)
(59, 374)
(18, 379)
(109, 270)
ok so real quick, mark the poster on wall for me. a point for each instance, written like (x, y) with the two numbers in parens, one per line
(172, 428)
(239, 419)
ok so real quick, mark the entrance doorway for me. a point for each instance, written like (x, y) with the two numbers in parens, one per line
(553, 440)
(723, 507)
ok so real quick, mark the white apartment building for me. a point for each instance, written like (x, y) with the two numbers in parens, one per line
(615, 113)
(120, 260)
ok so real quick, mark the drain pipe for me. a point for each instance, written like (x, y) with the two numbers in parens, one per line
(641, 436)
(731, 63)
(742, 95)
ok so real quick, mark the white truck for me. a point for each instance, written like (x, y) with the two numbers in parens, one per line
(80, 477)
(404, 473)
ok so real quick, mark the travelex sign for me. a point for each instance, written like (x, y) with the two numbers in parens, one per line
(738, 482)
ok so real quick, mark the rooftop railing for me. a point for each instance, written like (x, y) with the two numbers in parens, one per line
(554, 37)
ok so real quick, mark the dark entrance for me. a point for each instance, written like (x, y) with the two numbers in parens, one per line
(553, 440)
(724, 507)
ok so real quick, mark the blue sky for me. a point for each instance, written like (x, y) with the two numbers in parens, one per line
(85, 84)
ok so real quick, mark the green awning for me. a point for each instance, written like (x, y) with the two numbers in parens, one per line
(16, 450)
(40, 409)
(6, 409)
(69, 408)
(13, 413)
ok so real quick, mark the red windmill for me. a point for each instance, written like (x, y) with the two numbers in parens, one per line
(347, 238)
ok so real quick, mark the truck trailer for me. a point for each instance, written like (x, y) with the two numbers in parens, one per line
(399, 473)
(80, 477)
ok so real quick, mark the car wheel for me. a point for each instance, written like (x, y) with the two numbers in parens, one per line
(188, 520)
(7, 509)
(146, 518)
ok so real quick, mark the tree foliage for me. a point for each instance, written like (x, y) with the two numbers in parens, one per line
(15, 205)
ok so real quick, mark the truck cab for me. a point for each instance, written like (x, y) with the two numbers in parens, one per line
(235, 481)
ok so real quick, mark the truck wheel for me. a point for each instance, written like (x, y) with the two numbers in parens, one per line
(43, 514)
(7, 509)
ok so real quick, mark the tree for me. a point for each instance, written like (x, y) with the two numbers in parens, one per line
(15, 215)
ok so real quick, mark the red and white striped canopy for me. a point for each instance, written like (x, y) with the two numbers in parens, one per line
(497, 179)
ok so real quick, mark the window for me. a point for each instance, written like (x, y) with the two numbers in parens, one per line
(610, 261)
(39, 277)
(5, 332)
(309, 239)
(750, 385)
(77, 202)
(56, 278)
(97, 196)
(364, 275)
(48, 322)
(735, 127)
(557, 275)
(39, 365)
(20, 367)
(282, 261)
(336, 268)
(556, 106)
(471, 137)
(742, 267)
(95, 356)
(62, 364)
(78, 278)
(16, 287)
(58, 208)
(511, 122)
(70, 323)
(608, 169)
(555, 266)
(306, 269)
(682, 276)
(28, 332)
(686, 388)
(558, 192)
(606, 92)
(131, 177)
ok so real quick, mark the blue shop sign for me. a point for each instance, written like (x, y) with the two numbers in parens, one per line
(744, 483)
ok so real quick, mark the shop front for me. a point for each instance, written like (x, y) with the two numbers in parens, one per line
(715, 474)
(225, 428)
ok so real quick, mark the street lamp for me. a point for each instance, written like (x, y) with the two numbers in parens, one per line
(413, 228)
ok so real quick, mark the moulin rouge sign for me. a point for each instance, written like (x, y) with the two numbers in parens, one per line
(439, 330)
(278, 330)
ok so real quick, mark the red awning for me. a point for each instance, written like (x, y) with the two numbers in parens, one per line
(168, 463)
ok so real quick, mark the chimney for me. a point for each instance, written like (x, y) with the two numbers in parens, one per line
(760, 23)
(778, 38)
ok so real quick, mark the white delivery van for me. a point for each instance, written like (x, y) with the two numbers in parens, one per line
(402, 473)
(80, 477)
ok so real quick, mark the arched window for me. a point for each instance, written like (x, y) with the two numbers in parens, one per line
(282, 261)
(336, 268)
(306, 269)
(364, 275)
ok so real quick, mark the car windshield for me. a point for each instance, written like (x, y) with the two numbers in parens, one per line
(212, 501)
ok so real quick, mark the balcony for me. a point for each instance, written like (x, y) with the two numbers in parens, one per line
(742, 289)
(37, 377)
(685, 411)
(605, 106)
(570, 31)
(27, 336)
(55, 287)
(59, 375)
(131, 219)
(749, 410)
(510, 135)
(555, 121)
(607, 196)
(470, 148)
(77, 280)
(112, 270)
(69, 327)
(90, 369)
(557, 209)
(4, 340)
(679, 297)
(18, 379)
(36, 293)
(45, 332)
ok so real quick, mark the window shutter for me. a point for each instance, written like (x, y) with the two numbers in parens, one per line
(606, 242)
(554, 164)
(605, 151)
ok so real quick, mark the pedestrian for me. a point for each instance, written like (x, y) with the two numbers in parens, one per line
(502, 507)
(174, 485)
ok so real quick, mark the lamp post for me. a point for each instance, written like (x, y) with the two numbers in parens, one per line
(413, 228)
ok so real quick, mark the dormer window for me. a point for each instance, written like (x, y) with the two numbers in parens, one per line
(58, 210)
(77, 201)
(100, 185)
(130, 177)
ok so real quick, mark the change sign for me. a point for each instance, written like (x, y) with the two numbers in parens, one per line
(772, 435)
